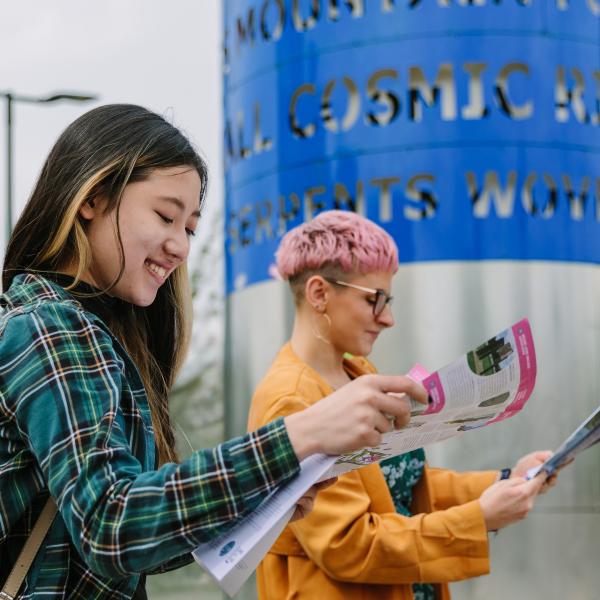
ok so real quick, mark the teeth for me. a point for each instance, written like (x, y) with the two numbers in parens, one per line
(159, 270)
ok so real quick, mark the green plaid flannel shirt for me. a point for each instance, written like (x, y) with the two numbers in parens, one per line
(75, 423)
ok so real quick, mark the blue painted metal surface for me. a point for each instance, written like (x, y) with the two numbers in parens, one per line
(469, 130)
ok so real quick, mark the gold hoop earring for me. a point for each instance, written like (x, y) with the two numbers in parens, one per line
(317, 333)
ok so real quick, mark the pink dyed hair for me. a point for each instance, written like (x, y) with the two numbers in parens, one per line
(337, 238)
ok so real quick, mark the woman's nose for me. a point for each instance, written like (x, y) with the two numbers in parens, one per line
(385, 318)
(178, 246)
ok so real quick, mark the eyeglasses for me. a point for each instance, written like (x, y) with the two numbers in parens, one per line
(381, 298)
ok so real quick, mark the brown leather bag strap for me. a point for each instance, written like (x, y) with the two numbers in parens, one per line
(30, 549)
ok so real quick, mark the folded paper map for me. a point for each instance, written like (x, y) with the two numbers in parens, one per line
(584, 437)
(487, 385)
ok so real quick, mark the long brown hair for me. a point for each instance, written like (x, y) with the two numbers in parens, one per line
(97, 156)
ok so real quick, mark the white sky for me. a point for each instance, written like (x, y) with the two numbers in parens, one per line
(162, 54)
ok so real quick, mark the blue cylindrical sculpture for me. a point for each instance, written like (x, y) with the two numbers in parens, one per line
(469, 129)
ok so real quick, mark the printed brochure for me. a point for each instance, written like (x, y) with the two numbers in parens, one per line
(487, 385)
(585, 436)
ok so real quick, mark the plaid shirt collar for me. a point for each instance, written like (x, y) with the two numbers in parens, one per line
(28, 291)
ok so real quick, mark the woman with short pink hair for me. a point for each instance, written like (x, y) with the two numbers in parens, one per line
(339, 241)
(396, 530)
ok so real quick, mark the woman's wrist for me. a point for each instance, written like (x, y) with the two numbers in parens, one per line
(301, 434)
(503, 474)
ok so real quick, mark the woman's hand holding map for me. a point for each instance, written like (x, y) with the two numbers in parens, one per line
(352, 418)
(509, 501)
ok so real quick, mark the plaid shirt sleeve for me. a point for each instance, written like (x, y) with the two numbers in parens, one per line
(65, 381)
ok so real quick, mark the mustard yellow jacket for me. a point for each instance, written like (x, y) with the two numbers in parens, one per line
(354, 546)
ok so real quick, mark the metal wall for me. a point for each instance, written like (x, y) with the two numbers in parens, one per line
(441, 311)
(468, 129)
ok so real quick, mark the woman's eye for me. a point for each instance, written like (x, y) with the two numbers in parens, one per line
(165, 219)
(370, 300)
(189, 232)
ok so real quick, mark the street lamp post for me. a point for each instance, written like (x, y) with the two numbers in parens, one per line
(10, 98)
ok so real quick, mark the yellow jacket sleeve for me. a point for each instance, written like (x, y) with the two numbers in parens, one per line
(449, 488)
(355, 535)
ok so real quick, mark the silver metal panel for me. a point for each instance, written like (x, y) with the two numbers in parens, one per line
(443, 310)
(259, 321)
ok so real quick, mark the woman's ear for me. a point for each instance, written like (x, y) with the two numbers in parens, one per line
(316, 293)
(88, 210)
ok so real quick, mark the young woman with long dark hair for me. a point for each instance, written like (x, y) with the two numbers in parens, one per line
(95, 328)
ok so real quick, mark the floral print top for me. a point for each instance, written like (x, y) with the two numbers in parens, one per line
(402, 473)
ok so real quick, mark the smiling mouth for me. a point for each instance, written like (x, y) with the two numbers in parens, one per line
(160, 271)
